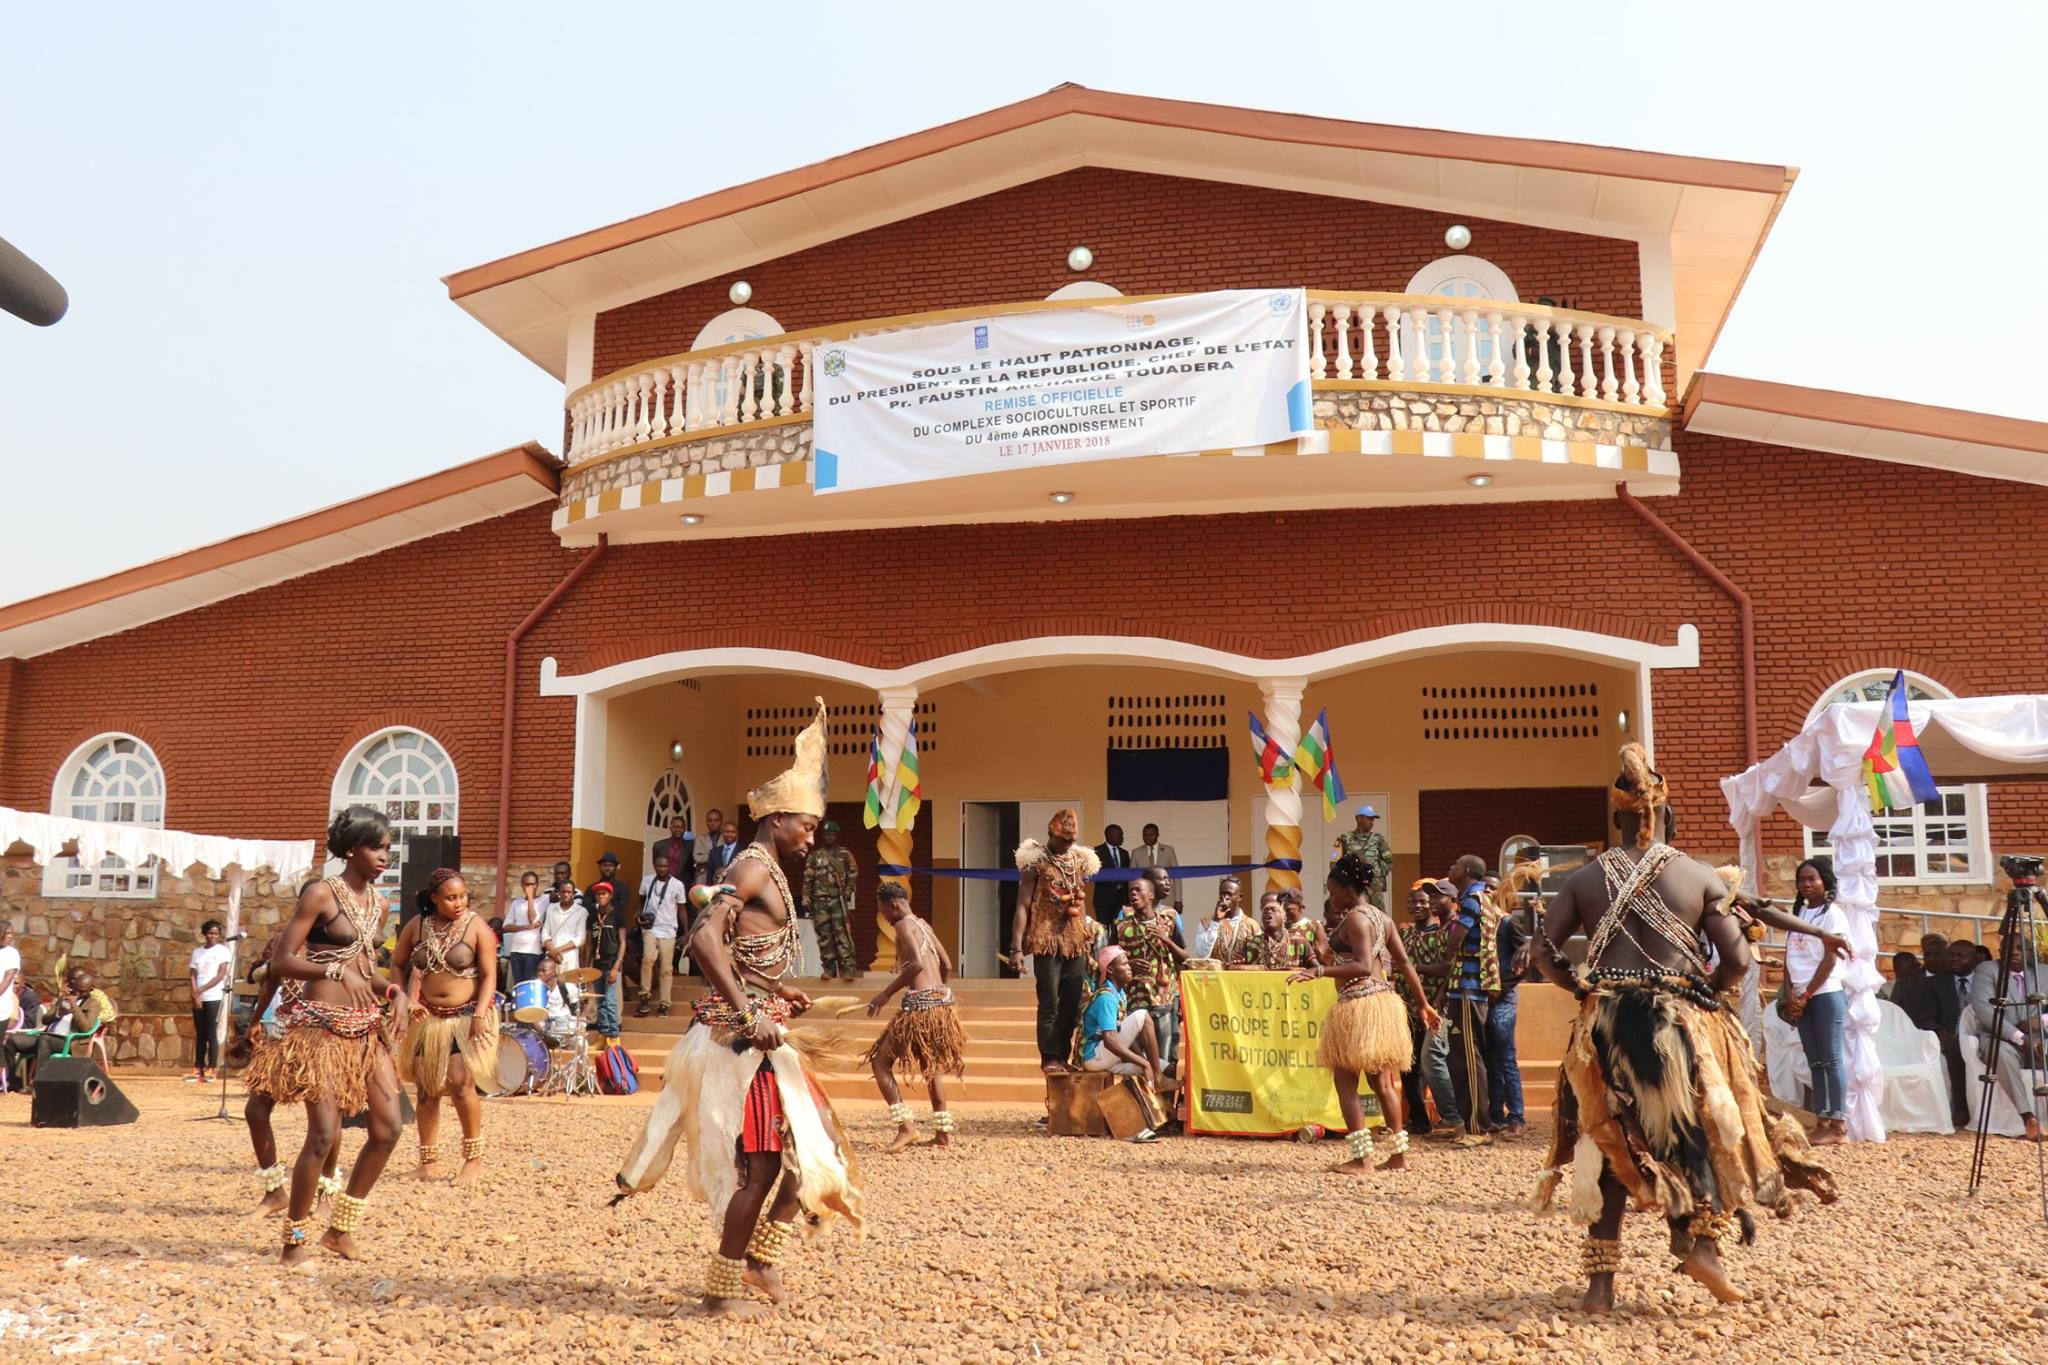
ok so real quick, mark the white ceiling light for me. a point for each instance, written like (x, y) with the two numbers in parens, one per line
(1079, 259)
(693, 518)
(1479, 480)
(1457, 237)
(675, 751)
(740, 292)
(1061, 498)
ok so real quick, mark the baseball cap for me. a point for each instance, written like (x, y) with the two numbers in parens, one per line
(1369, 812)
(1443, 887)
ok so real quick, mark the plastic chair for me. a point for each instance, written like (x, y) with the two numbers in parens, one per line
(91, 1040)
(1785, 1059)
(2005, 1120)
(1915, 1096)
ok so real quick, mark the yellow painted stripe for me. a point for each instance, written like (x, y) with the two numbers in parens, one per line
(1407, 443)
(1469, 445)
(1635, 459)
(1345, 441)
(1526, 447)
(1581, 452)
(693, 485)
(742, 480)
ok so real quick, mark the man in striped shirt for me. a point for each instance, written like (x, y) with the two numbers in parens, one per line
(1476, 980)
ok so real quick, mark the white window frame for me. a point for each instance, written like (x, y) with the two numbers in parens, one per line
(137, 883)
(1492, 281)
(736, 324)
(1909, 830)
(410, 788)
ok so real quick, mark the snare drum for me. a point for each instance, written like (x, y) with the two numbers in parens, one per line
(522, 1060)
(530, 1001)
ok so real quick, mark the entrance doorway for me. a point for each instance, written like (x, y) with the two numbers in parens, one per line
(990, 832)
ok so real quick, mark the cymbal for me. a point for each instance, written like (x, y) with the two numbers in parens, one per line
(578, 976)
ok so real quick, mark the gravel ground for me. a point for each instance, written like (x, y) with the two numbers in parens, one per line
(134, 1243)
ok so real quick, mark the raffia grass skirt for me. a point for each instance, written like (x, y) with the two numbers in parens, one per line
(310, 1063)
(1367, 1035)
(925, 1043)
(423, 1056)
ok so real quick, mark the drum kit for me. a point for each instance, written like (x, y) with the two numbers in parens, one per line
(544, 1052)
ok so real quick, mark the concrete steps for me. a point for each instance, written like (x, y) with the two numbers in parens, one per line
(1000, 1018)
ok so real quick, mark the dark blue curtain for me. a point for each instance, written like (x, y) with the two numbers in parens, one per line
(1169, 774)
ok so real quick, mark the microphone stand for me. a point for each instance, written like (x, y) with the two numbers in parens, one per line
(220, 1030)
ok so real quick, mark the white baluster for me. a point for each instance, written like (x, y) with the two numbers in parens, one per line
(679, 382)
(575, 430)
(1519, 326)
(697, 411)
(1469, 346)
(1588, 385)
(1368, 354)
(1609, 385)
(642, 383)
(1397, 369)
(785, 370)
(1653, 369)
(803, 391)
(728, 389)
(1419, 367)
(1544, 374)
(607, 417)
(1447, 329)
(1342, 314)
(1630, 390)
(1319, 363)
(1497, 337)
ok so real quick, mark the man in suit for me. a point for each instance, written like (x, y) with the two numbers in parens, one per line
(2021, 1047)
(718, 861)
(680, 848)
(1152, 853)
(1932, 1001)
(1109, 895)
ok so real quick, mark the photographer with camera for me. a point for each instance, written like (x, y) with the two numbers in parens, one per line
(662, 896)
(2011, 1038)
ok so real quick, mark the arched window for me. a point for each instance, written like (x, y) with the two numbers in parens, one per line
(1085, 289)
(669, 800)
(735, 325)
(1458, 277)
(1944, 840)
(115, 779)
(407, 775)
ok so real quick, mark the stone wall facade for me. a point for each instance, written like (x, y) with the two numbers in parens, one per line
(1500, 413)
(785, 443)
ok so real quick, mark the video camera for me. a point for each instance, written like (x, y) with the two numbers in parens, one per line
(2023, 868)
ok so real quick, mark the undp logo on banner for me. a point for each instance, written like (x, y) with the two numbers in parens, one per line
(981, 338)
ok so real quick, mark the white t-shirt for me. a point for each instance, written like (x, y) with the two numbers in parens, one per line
(1803, 952)
(519, 911)
(10, 1003)
(565, 925)
(209, 962)
(665, 904)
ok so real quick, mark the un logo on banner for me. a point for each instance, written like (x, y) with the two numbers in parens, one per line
(981, 338)
(1280, 303)
(835, 363)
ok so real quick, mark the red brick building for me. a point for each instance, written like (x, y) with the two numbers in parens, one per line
(1532, 523)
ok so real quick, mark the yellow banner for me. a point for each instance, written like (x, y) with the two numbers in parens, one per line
(1250, 1040)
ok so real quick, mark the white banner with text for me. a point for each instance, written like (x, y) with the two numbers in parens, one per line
(1111, 381)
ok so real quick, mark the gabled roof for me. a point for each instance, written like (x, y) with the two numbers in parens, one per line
(1873, 428)
(475, 491)
(1716, 213)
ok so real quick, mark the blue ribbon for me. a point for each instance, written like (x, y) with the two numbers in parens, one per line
(1117, 874)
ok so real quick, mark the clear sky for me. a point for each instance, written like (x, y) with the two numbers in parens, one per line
(252, 205)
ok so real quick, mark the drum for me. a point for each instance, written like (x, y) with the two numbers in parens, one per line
(530, 1001)
(522, 1060)
(562, 1032)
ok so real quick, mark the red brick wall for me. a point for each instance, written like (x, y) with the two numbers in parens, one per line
(1150, 233)
(1456, 822)
(251, 703)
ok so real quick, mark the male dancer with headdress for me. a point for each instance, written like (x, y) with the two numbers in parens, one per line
(736, 1084)
(1054, 927)
(1661, 1104)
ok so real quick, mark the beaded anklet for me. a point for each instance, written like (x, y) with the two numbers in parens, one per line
(1398, 1143)
(942, 1120)
(327, 1186)
(271, 1179)
(472, 1148)
(1600, 1257)
(1706, 1225)
(430, 1156)
(768, 1242)
(722, 1280)
(899, 1114)
(1360, 1142)
(296, 1230)
(348, 1213)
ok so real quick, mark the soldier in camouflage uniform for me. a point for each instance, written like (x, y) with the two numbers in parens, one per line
(829, 881)
(1372, 849)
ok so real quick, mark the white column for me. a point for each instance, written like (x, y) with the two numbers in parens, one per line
(1280, 699)
(899, 705)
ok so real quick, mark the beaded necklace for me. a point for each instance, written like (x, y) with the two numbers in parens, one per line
(769, 954)
(363, 917)
(435, 943)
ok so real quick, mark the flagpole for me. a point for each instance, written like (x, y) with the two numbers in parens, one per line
(892, 845)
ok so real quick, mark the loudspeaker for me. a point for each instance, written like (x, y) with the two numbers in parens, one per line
(424, 853)
(72, 1092)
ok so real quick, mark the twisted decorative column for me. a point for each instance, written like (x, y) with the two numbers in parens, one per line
(892, 845)
(1281, 700)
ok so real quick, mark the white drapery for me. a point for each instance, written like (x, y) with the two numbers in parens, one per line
(1817, 778)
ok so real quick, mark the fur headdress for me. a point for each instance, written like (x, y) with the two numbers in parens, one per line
(1031, 853)
(1640, 788)
(799, 789)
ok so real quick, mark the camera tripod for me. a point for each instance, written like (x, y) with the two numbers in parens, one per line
(2018, 959)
